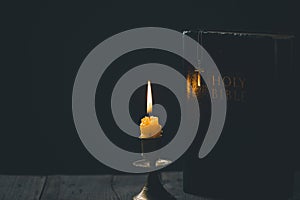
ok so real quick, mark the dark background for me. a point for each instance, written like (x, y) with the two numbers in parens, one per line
(44, 43)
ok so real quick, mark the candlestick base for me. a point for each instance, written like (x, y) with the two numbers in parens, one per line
(153, 189)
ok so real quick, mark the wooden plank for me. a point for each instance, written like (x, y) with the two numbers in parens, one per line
(78, 188)
(21, 187)
(173, 182)
(297, 186)
(121, 187)
(127, 186)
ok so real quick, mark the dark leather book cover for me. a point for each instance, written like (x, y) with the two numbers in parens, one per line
(253, 158)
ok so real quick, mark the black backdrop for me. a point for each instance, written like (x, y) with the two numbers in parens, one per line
(44, 43)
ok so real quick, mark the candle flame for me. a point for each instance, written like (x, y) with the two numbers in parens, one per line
(199, 79)
(149, 98)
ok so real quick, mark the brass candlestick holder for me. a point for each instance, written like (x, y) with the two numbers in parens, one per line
(153, 188)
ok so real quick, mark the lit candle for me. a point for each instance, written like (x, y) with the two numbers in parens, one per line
(150, 127)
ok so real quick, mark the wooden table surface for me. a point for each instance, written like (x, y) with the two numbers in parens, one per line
(86, 187)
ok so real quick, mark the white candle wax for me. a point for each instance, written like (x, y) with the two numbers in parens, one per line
(150, 127)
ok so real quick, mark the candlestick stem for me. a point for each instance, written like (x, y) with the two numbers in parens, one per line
(153, 189)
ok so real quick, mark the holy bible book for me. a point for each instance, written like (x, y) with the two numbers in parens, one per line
(253, 158)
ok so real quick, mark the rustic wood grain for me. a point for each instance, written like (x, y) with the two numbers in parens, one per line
(21, 187)
(297, 186)
(100, 187)
(174, 184)
(126, 186)
(79, 188)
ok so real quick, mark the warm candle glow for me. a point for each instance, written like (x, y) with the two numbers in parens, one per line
(149, 98)
(188, 86)
(199, 79)
(149, 126)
